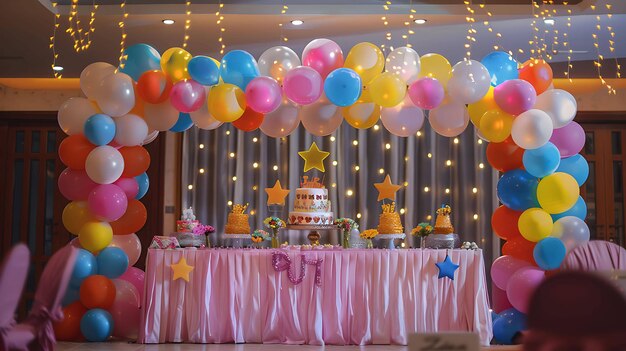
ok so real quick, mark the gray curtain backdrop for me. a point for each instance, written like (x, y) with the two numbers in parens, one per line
(407, 161)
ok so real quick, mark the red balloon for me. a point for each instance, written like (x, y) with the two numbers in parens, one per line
(68, 328)
(538, 73)
(132, 221)
(97, 291)
(154, 87)
(505, 156)
(73, 151)
(249, 121)
(136, 160)
(504, 223)
(520, 248)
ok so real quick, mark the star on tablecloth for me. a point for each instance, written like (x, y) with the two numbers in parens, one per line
(276, 195)
(447, 268)
(387, 190)
(181, 269)
(314, 158)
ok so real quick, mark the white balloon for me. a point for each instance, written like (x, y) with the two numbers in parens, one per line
(572, 231)
(130, 130)
(115, 95)
(275, 62)
(321, 117)
(73, 114)
(470, 81)
(560, 105)
(449, 119)
(92, 75)
(150, 138)
(404, 62)
(161, 116)
(532, 129)
(202, 118)
(104, 164)
(404, 119)
(282, 122)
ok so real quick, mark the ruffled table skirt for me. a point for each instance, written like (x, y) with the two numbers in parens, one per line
(361, 297)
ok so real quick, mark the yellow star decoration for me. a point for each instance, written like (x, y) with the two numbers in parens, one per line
(314, 158)
(276, 195)
(181, 269)
(387, 190)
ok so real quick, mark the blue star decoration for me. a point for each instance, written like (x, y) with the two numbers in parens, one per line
(447, 268)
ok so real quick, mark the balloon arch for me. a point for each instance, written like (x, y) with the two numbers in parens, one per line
(528, 124)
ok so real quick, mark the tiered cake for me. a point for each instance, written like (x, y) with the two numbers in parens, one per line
(389, 221)
(312, 206)
(187, 222)
(237, 222)
(185, 230)
(443, 225)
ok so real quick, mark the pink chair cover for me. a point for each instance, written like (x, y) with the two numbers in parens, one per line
(13, 273)
(596, 255)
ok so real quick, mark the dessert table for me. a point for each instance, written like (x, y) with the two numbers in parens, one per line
(353, 296)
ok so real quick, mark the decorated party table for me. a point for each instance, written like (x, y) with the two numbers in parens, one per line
(312, 296)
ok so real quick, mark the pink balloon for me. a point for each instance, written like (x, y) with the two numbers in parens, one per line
(75, 184)
(130, 244)
(499, 301)
(569, 139)
(263, 94)
(323, 55)
(522, 285)
(426, 93)
(503, 268)
(515, 96)
(129, 185)
(125, 310)
(136, 277)
(303, 85)
(107, 202)
(187, 95)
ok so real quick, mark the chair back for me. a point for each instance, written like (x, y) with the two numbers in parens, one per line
(13, 274)
(54, 280)
(596, 255)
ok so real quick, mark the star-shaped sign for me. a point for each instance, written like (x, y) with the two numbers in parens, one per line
(447, 268)
(181, 269)
(314, 158)
(387, 190)
(276, 195)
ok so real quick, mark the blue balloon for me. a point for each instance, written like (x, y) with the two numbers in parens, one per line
(549, 253)
(84, 266)
(238, 68)
(112, 262)
(140, 58)
(543, 161)
(494, 316)
(96, 325)
(517, 190)
(578, 210)
(204, 70)
(184, 122)
(510, 323)
(343, 87)
(576, 166)
(501, 67)
(144, 185)
(99, 129)
(71, 295)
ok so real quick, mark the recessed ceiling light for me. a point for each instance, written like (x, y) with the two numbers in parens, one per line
(297, 22)
(168, 21)
(57, 68)
(549, 21)
(420, 21)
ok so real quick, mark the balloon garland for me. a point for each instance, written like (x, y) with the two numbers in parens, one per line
(529, 126)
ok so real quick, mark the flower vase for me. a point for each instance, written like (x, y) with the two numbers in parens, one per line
(345, 239)
(370, 245)
(422, 241)
(208, 242)
(275, 242)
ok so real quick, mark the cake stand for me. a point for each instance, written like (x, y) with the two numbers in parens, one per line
(236, 240)
(311, 229)
(389, 239)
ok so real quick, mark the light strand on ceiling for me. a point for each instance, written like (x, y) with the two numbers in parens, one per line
(487, 23)
(566, 44)
(218, 22)
(610, 29)
(471, 32)
(385, 20)
(283, 11)
(122, 25)
(55, 56)
(599, 57)
(187, 23)
(80, 36)
(408, 24)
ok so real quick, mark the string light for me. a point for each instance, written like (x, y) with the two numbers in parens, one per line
(255, 139)
(471, 32)
(381, 171)
(535, 41)
(55, 56)
(387, 146)
(419, 134)
(230, 203)
(283, 11)
(430, 155)
(385, 21)
(255, 187)
(252, 212)
(228, 132)
(187, 23)
(201, 170)
(232, 155)
(122, 26)
(255, 165)
(334, 185)
(406, 184)
(349, 192)
(480, 141)
(487, 24)
(356, 168)
(456, 140)
(80, 36)
(376, 127)
(402, 210)
(332, 138)
(218, 22)
(566, 43)
(447, 191)
(275, 168)
(358, 215)
(407, 24)
(600, 58)
(355, 142)
(335, 163)
(481, 165)
(449, 163)
(429, 217)
(190, 187)
(618, 67)
(426, 189)
(474, 190)
(475, 216)
(201, 146)
(234, 178)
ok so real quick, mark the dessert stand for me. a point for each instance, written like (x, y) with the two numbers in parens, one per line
(387, 240)
(311, 229)
(237, 241)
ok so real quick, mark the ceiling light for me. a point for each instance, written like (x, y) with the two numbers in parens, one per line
(57, 68)
(297, 22)
(419, 21)
(549, 21)
(168, 21)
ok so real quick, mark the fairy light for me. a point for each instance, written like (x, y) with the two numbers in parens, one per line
(381, 171)
(471, 32)
(487, 24)
(255, 165)
(122, 26)
(600, 58)
(201, 170)
(234, 178)
(447, 190)
(283, 11)
(475, 216)
(81, 37)
(231, 155)
(228, 132)
(479, 141)
(534, 43)
(230, 203)
(611, 31)
(419, 134)
(385, 21)
(201, 146)
(334, 185)
(426, 189)
(335, 163)
(255, 139)
(474, 190)
(376, 127)
(358, 215)
(275, 168)
(187, 23)
(255, 188)
(252, 212)
(481, 165)
(332, 138)
(456, 140)
(402, 210)
(408, 24)
(406, 184)
(355, 142)
(449, 163)
(429, 217)
(429, 155)
(349, 192)
(387, 146)
(190, 187)
(55, 56)
(218, 22)
(566, 43)
(356, 168)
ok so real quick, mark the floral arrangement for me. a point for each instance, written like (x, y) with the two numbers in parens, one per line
(469, 245)
(346, 224)
(422, 229)
(202, 229)
(259, 235)
(274, 223)
(368, 234)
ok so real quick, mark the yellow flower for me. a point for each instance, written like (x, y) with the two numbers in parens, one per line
(369, 234)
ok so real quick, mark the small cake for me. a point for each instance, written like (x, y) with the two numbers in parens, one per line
(312, 205)
(443, 225)
(237, 222)
(189, 231)
(187, 222)
(389, 221)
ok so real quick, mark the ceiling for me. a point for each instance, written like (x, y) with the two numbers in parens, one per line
(254, 26)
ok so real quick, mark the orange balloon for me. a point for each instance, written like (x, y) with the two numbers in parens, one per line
(68, 328)
(505, 156)
(504, 223)
(520, 248)
(132, 221)
(154, 87)
(139, 107)
(249, 121)
(538, 73)
(97, 291)
(136, 160)
(73, 151)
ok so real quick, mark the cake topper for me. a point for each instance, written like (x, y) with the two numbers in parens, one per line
(389, 208)
(387, 190)
(239, 208)
(314, 183)
(188, 215)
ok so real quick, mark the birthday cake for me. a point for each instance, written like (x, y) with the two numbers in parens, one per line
(443, 236)
(237, 221)
(189, 231)
(443, 224)
(187, 222)
(312, 205)
(389, 220)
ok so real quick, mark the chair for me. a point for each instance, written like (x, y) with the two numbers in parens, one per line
(36, 333)
(13, 274)
(596, 255)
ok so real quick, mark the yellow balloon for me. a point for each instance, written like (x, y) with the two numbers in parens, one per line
(174, 63)
(75, 215)
(226, 102)
(387, 89)
(435, 66)
(95, 236)
(495, 125)
(535, 224)
(478, 109)
(366, 59)
(361, 115)
(557, 192)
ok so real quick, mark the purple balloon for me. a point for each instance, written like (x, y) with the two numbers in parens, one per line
(107, 202)
(187, 95)
(522, 285)
(569, 139)
(303, 85)
(515, 96)
(426, 93)
(263, 94)
(503, 268)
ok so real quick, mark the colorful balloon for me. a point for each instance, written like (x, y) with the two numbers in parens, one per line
(470, 81)
(532, 129)
(136, 160)
(543, 161)
(75, 215)
(104, 164)
(450, 119)
(323, 55)
(125, 310)
(144, 184)
(91, 77)
(184, 122)
(560, 105)
(161, 116)
(572, 231)
(505, 156)
(361, 115)
(99, 129)
(557, 192)
(187, 95)
(136, 277)
(282, 122)
(96, 325)
(517, 190)
(130, 244)
(303, 85)
(520, 248)
(154, 87)
(68, 328)
(174, 63)
(538, 73)
(321, 118)
(405, 63)
(129, 186)
(510, 324)
(435, 66)
(549, 253)
(515, 96)
(263, 95)
(249, 121)
(576, 166)
(130, 130)
(239, 68)
(503, 268)
(74, 150)
(501, 67)
(140, 58)
(95, 236)
(226, 102)
(404, 119)
(579, 210)
(202, 118)
(343, 87)
(367, 60)
(75, 184)
(107, 202)
(116, 94)
(275, 62)
(426, 93)
(73, 114)
(112, 262)
(387, 89)
(570, 139)
(132, 221)
(495, 125)
(535, 224)
(522, 285)
(504, 223)
(480, 107)
(204, 70)
(84, 266)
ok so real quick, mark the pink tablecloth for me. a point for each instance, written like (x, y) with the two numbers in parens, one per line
(365, 297)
